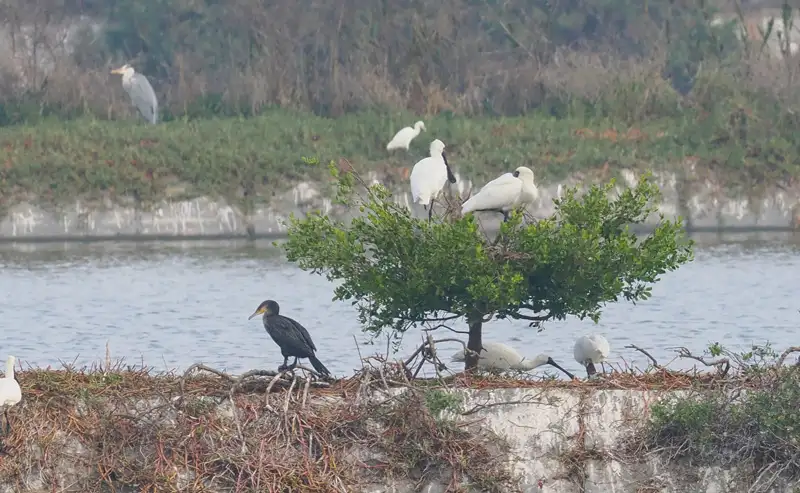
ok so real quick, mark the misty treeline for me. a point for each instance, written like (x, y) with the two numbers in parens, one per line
(238, 57)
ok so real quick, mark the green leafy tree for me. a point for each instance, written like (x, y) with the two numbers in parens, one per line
(402, 271)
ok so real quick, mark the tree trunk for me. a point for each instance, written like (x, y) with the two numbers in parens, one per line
(475, 342)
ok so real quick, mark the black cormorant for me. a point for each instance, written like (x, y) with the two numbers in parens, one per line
(293, 339)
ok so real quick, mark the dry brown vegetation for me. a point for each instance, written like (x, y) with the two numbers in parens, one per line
(120, 428)
(464, 56)
(112, 429)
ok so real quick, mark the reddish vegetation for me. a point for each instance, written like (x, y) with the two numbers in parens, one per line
(632, 134)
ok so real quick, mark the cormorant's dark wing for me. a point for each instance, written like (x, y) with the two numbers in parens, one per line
(286, 335)
(303, 333)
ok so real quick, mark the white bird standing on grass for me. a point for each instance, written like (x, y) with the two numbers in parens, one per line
(429, 176)
(591, 350)
(404, 136)
(499, 357)
(10, 393)
(505, 193)
(141, 92)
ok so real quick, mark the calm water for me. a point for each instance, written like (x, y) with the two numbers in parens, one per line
(170, 305)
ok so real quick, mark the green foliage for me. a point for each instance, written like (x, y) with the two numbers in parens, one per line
(400, 270)
(57, 162)
(758, 428)
(437, 400)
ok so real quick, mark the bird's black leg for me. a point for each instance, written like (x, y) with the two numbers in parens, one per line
(430, 211)
(590, 369)
(285, 364)
(8, 422)
(294, 365)
(505, 216)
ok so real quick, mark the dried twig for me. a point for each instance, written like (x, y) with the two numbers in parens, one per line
(650, 356)
(785, 354)
(722, 364)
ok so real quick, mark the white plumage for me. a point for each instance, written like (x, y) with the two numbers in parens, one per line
(404, 136)
(10, 393)
(429, 176)
(591, 350)
(498, 357)
(504, 193)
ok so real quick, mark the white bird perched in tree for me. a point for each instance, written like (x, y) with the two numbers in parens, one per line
(10, 393)
(591, 350)
(504, 193)
(141, 92)
(429, 176)
(499, 357)
(404, 136)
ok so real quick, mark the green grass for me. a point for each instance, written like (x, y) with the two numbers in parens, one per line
(56, 161)
(754, 429)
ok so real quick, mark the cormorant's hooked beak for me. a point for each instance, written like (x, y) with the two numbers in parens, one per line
(257, 313)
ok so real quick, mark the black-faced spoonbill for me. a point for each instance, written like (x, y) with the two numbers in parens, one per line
(591, 350)
(506, 192)
(10, 393)
(429, 176)
(404, 136)
(293, 339)
(499, 357)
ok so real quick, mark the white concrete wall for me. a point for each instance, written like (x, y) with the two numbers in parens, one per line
(706, 204)
(563, 440)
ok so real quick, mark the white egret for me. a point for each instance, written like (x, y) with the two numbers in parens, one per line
(141, 92)
(499, 357)
(429, 176)
(504, 193)
(10, 393)
(591, 350)
(404, 136)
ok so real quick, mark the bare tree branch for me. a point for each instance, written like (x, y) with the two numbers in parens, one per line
(533, 318)
(650, 356)
(443, 326)
(785, 354)
(722, 364)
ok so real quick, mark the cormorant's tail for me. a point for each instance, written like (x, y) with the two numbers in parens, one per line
(317, 364)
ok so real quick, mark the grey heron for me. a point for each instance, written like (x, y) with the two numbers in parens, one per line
(141, 92)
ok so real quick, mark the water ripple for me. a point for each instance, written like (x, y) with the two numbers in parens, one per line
(171, 305)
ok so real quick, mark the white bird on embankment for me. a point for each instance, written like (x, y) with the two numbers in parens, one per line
(505, 193)
(591, 350)
(429, 176)
(499, 357)
(10, 393)
(404, 136)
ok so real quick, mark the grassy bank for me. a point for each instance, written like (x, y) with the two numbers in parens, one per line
(753, 426)
(249, 159)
